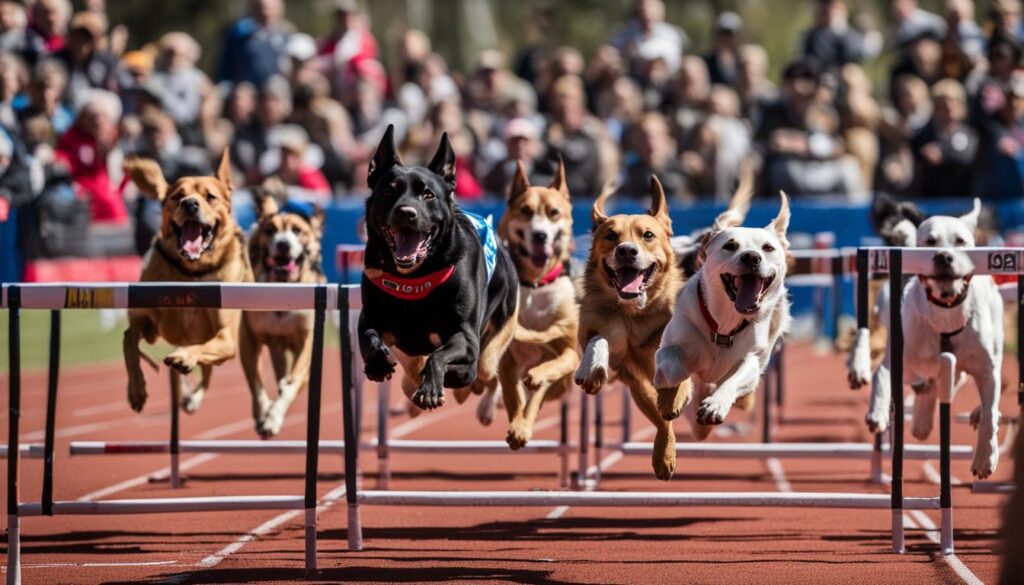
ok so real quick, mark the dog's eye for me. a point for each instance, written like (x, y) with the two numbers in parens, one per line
(210, 197)
(960, 242)
(553, 213)
(731, 246)
(768, 248)
(648, 235)
(428, 195)
(611, 236)
(526, 211)
(296, 231)
(930, 242)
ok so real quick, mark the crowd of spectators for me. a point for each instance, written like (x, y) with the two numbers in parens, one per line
(949, 121)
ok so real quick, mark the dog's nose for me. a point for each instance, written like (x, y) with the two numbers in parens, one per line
(540, 238)
(190, 205)
(283, 246)
(406, 213)
(627, 251)
(751, 259)
(944, 259)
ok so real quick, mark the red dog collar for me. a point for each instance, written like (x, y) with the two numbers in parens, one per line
(412, 289)
(719, 339)
(946, 304)
(550, 277)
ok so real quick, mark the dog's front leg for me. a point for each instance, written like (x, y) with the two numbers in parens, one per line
(670, 366)
(880, 404)
(592, 374)
(858, 366)
(453, 365)
(546, 373)
(663, 459)
(132, 358)
(923, 419)
(378, 365)
(986, 453)
(249, 354)
(288, 388)
(743, 381)
(214, 352)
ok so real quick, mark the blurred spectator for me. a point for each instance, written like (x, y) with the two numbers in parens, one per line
(690, 101)
(716, 151)
(12, 83)
(755, 89)
(831, 40)
(252, 141)
(1001, 172)
(447, 117)
(522, 144)
(860, 115)
(922, 57)
(566, 137)
(329, 127)
(723, 60)
(87, 149)
(15, 182)
(295, 169)
(88, 66)
(182, 83)
(13, 25)
(45, 90)
(964, 44)
(656, 155)
(944, 149)
(366, 100)
(1005, 17)
(254, 45)
(911, 22)
(910, 111)
(647, 37)
(48, 30)
(350, 41)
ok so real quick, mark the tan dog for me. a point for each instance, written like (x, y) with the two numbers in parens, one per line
(285, 247)
(537, 230)
(630, 288)
(199, 241)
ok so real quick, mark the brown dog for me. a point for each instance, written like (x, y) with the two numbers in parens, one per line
(630, 288)
(285, 247)
(537, 230)
(199, 241)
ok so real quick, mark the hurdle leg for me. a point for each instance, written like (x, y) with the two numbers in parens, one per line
(383, 460)
(627, 416)
(877, 475)
(51, 412)
(355, 529)
(175, 425)
(314, 394)
(780, 377)
(13, 447)
(896, 382)
(563, 440)
(598, 436)
(581, 473)
(766, 408)
(947, 381)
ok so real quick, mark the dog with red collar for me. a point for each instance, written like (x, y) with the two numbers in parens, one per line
(949, 309)
(439, 295)
(728, 318)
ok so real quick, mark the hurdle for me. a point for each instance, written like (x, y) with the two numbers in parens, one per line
(253, 297)
(894, 501)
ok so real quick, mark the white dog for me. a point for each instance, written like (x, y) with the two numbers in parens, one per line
(946, 310)
(728, 318)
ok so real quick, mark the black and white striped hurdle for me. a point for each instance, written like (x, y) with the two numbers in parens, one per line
(252, 297)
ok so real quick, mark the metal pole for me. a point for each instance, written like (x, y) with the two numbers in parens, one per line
(563, 440)
(13, 448)
(766, 408)
(780, 376)
(598, 436)
(947, 375)
(581, 474)
(837, 294)
(383, 462)
(877, 475)
(896, 383)
(313, 426)
(175, 425)
(627, 415)
(51, 412)
(355, 529)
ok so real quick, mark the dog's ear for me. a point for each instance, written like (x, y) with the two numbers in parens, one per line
(316, 221)
(739, 204)
(269, 195)
(385, 158)
(559, 183)
(520, 182)
(780, 224)
(597, 214)
(443, 163)
(224, 171)
(971, 219)
(659, 205)
(147, 176)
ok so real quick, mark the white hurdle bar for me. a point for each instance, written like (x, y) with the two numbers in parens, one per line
(253, 297)
(286, 447)
(32, 451)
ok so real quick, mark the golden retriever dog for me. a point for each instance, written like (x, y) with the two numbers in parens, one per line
(630, 287)
(199, 241)
(284, 247)
(537, 230)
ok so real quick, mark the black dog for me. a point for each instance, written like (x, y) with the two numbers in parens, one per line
(888, 216)
(437, 289)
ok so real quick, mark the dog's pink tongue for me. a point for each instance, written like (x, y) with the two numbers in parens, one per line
(407, 243)
(630, 280)
(191, 240)
(748, 289)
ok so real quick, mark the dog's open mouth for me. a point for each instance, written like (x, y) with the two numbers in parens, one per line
(540, 254)
(409, 246)
(630, 281)
(746, 291)
(946, 287)
(282, 268)
(194, 238)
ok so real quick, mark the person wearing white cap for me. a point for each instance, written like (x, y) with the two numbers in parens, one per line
(522, 141)
(302, 65)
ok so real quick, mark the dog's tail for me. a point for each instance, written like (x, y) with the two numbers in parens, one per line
(739, 204)
(747, 402)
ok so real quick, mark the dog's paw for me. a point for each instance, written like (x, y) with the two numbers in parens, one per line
(428, 396)
(486, 408)
(137, 390)
(592, 381)
(271, 424)
(534, 379)
(378, 365)
(518, 436)
(877, 422)
(664, 465)
(986, 459)
(191, 401)
(668, 406)
(857, 378)
(182, 360)
(921, 427)
(712, 411)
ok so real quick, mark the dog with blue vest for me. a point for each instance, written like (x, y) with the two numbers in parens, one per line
(440, 297)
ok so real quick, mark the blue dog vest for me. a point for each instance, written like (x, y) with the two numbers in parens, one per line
(488, 239)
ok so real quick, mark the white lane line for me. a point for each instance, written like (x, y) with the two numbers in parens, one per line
(933, 534)
(933, 475)
(778, 474)
(60, 565)
(557, 512)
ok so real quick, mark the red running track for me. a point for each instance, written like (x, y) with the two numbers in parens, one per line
(485, 545)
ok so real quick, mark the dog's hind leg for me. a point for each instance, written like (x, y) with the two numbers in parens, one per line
(249, 354)
(139, 327)
(663, 460)
(701, 391)
(926, 398)
(493, 348)
(192, 399)
(488, 404)
(288, 387)
(512, 394)
(986, 452)
(880, 405)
